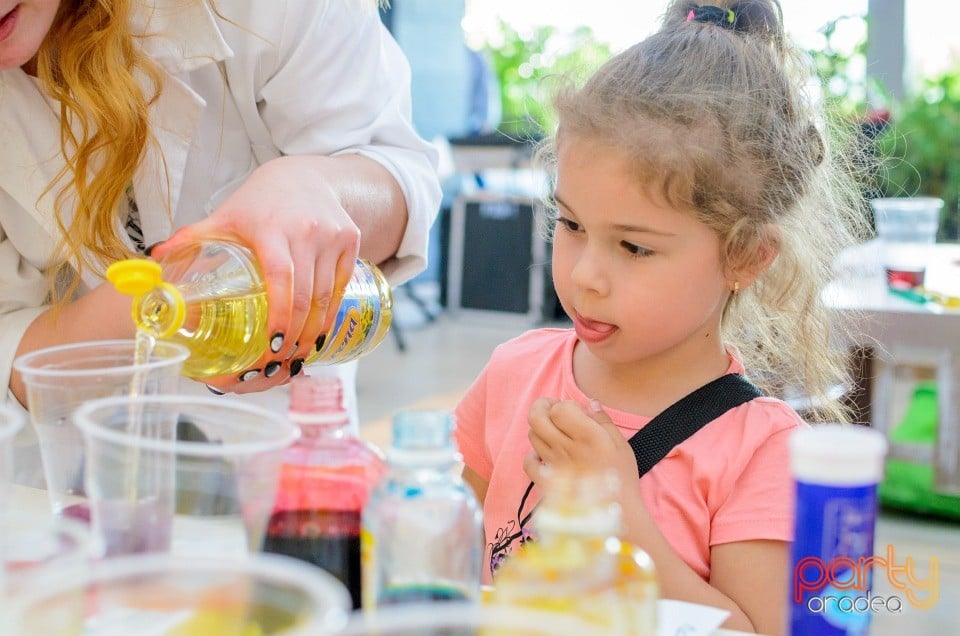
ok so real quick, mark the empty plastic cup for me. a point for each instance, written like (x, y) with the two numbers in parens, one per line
(190, 475)
(58, 379)
(154, 595)
(906, 228)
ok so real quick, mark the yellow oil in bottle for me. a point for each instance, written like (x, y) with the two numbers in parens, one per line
(578, 566)
(225, 335)
(210, 297)
(606, 583)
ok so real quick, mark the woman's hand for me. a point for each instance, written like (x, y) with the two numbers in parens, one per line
(565, 435)
(290, 215)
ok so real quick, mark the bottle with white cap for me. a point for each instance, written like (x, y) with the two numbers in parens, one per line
(836, 470)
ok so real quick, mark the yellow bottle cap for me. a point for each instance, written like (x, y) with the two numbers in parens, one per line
(135, 276)
(138, 276)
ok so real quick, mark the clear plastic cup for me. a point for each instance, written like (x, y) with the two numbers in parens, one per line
(58, 379)
(906, 227)
(189, 475)
(153, 595)
(465, 619)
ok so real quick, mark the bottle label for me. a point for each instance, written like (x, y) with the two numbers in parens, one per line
(358, 321)
(831, 575)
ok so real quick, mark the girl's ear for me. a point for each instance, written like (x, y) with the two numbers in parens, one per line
(758, 259)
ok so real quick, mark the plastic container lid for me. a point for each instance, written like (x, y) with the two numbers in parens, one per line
(423, 437)
(423, 430)
(317, 399)
(834, 454)
(134, 276)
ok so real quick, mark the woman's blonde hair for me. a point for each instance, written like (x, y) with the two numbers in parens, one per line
(90, 63)
(714, 117)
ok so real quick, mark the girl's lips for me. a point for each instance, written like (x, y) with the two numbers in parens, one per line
(8, 23)
(591, 330)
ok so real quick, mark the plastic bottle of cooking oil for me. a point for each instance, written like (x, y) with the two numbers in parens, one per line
(210, 297)
(577, 565)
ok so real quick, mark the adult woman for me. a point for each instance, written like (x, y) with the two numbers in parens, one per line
(281, 124)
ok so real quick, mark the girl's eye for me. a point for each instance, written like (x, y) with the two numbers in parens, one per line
(635, 250)
(567, 224)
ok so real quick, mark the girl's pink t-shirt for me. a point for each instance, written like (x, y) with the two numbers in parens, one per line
(728, 482)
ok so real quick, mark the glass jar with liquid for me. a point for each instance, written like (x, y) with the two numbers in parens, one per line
(210, 297)
(577, 565)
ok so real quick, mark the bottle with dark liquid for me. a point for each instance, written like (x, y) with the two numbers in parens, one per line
(422, 527)
(325, 481)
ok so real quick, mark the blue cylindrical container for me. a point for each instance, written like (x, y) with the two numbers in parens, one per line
(836, 470)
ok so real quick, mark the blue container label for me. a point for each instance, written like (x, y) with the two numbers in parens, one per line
(831, 560)
(361, 321)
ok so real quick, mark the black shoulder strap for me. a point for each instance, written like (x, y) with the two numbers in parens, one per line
(675, 424)
(685, 417)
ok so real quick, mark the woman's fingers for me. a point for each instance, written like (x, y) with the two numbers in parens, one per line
(330, 271)
(279, 279)
(308, 277)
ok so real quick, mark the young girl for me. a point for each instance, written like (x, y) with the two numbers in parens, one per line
(698, 208)
(282, 125)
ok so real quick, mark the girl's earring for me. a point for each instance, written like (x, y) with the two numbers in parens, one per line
(736, 287)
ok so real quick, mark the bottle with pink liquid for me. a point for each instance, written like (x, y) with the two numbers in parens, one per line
(325, 480)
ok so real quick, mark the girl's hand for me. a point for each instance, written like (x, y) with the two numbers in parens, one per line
(565, 435)
(306, 244)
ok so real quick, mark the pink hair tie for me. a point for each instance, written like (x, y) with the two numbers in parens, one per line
(690, 16)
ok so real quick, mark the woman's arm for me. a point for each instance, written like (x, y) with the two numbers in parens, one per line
(368, 193)
(366, 190)
(352, 177)
(101, 314)
(335, 84)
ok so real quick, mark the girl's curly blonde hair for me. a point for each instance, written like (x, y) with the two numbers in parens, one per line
(716, 119)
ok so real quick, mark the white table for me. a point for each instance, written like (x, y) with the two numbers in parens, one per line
(35, 501)
(891, 323)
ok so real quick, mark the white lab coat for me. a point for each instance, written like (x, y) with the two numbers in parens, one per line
(268, 78)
